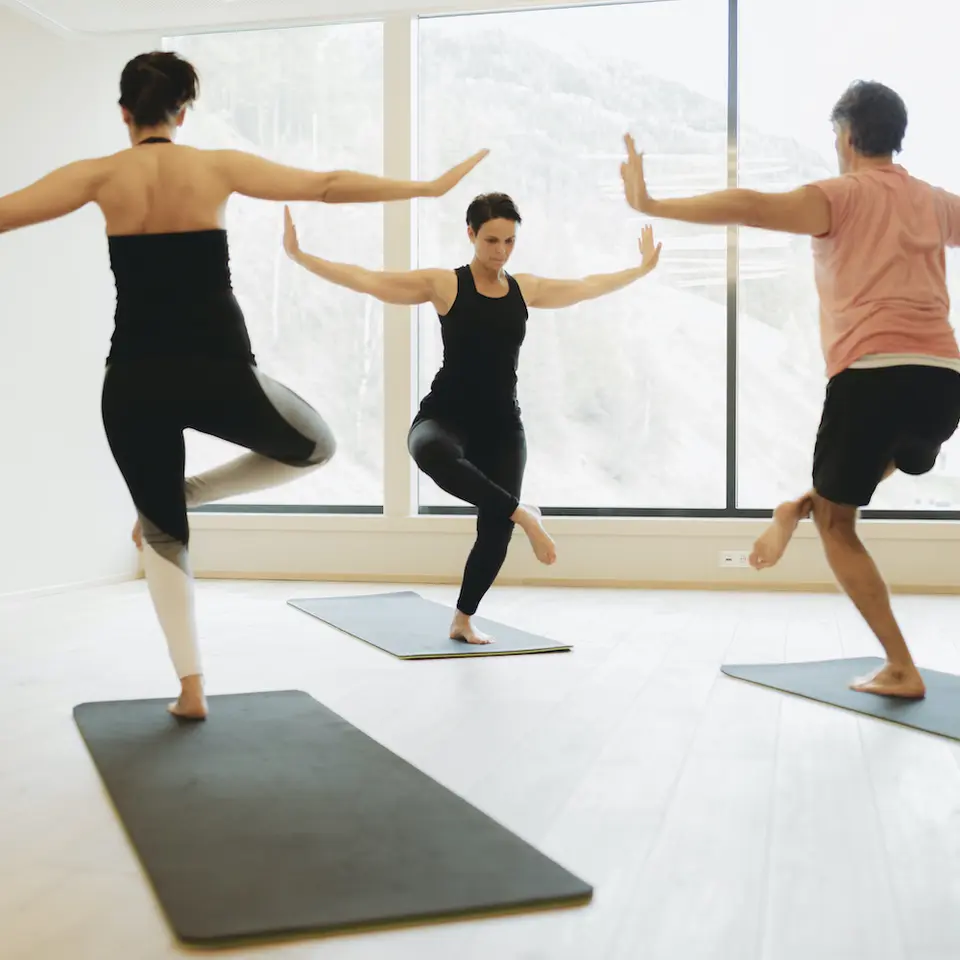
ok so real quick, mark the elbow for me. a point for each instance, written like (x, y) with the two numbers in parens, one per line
(326, 187)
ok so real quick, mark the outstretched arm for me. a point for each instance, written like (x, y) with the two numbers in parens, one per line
(409, 287)
(553, 294)
(263, 179)
(805, 211)
(58, 193)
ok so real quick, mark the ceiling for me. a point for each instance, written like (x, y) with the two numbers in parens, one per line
(170, 16)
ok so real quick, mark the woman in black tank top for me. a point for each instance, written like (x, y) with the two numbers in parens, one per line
(468, 434)
(180, 355)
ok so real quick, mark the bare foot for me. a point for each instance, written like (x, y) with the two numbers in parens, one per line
(138, 534)
(189, 709)
(191, 704)
(530, 520)
(892, 681)
(462, 628)
(771, 544)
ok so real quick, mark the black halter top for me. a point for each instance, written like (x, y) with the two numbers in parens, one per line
(175, 295)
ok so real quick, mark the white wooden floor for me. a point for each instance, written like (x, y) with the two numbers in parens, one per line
(715, 819)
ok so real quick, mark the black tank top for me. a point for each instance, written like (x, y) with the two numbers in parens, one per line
(482, 336)
(175, 296)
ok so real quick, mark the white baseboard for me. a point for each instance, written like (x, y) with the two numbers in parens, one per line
(677, 553)
(55, 589)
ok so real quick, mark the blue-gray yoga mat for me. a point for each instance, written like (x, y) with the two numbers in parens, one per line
(276, 817)
(827, 681)
(414, 628)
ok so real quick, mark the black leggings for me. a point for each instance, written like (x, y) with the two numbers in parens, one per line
(482, 467)
(146, 405)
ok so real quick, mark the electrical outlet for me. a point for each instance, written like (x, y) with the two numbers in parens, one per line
(734, 558)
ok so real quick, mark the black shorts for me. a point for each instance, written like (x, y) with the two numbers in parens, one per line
(878, 416)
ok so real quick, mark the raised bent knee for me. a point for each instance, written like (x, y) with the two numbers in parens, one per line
(431, 453)
(324, 446)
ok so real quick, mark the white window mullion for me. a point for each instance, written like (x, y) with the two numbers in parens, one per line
(399, 340)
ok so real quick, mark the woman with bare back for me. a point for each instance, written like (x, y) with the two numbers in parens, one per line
(180, 353)
(468, 435)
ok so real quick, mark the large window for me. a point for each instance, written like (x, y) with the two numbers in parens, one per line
(786, 93)
(624, 397)
(695, 390)
(310, 97)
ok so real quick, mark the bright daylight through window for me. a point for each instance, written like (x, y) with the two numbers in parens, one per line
(311, 97)
(624, 398)
(785, 140)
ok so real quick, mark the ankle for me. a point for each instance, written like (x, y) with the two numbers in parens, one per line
(899, 666)
(192, 686)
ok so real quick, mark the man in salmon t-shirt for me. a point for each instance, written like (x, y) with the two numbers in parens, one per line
(892, 362)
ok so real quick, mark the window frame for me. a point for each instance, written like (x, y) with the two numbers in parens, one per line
(401, 328)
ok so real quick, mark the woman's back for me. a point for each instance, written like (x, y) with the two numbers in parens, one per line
(159, 187)
(164, 210)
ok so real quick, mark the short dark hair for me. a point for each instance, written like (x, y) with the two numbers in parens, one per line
(875, 116)
(491, 206)
(155, 86)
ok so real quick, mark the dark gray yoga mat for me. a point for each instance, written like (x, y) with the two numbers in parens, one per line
(414, 628)
(276, 817)
(827, 681)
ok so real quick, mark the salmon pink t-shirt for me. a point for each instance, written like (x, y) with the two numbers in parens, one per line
(881, 270)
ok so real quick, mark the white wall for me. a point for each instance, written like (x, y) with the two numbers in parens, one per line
(66, 514)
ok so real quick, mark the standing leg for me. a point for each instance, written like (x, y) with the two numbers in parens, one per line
(439, 452)
(865, 424)
(146, 440)
(503, 458)
(920, 410)
(860, 579)
(145, 422)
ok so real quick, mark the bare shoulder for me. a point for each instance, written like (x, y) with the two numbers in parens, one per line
(528, 284)
(95, 171)
(442, 280)
(443, 286)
